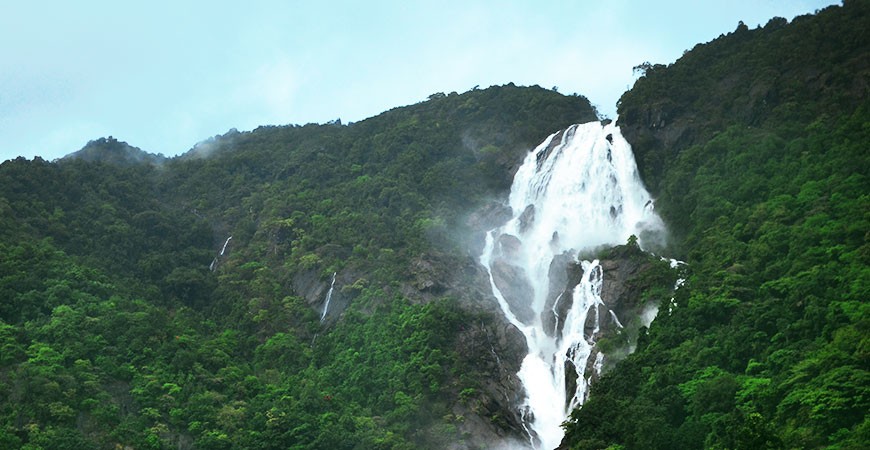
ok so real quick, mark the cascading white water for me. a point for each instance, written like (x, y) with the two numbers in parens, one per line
(328, 297)
(678, 284)
(214, 261)
(576, 191)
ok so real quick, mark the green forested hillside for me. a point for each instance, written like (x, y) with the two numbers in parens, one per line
(116, 333)
(129, 319)
(757, 147)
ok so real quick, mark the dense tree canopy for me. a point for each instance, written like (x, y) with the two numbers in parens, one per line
(767, 190)
(121, 324)
(129, 318)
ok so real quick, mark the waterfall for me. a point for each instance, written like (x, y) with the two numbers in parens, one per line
(328, 297)
(577, 191)
(678, 284)
(224, 248)
(214, 262)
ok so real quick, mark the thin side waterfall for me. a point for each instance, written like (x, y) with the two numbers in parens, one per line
(328, 297)
(214, 262)
(224, 248)
(577, 191)
(679, 283)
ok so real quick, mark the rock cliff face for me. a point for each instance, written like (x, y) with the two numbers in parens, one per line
(634, 286)
(309, 285)
(489, 349)
(658, 132)
(492, 350)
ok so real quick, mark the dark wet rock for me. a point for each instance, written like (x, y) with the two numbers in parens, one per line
(515, 288)
(558, 302)
(527, 218)
(560, 137)
(507, 247)
(309, 285)
(425, 276)
(629, 278)
(493, 215)
(490, 350)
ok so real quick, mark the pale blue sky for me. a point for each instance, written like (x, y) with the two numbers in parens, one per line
(163, 75)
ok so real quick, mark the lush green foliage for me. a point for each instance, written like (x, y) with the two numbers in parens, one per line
(114, 332)
(768, 346)
(781, 76)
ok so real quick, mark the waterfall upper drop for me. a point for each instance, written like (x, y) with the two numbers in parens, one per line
(575, 192)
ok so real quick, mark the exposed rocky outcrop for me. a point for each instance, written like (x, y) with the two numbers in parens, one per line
(634, 283)
(559, 299)
(510, 279)
(311, 286)
(490, 350)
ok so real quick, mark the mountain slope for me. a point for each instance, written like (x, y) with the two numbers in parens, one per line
(756, 145)
(130, 318)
